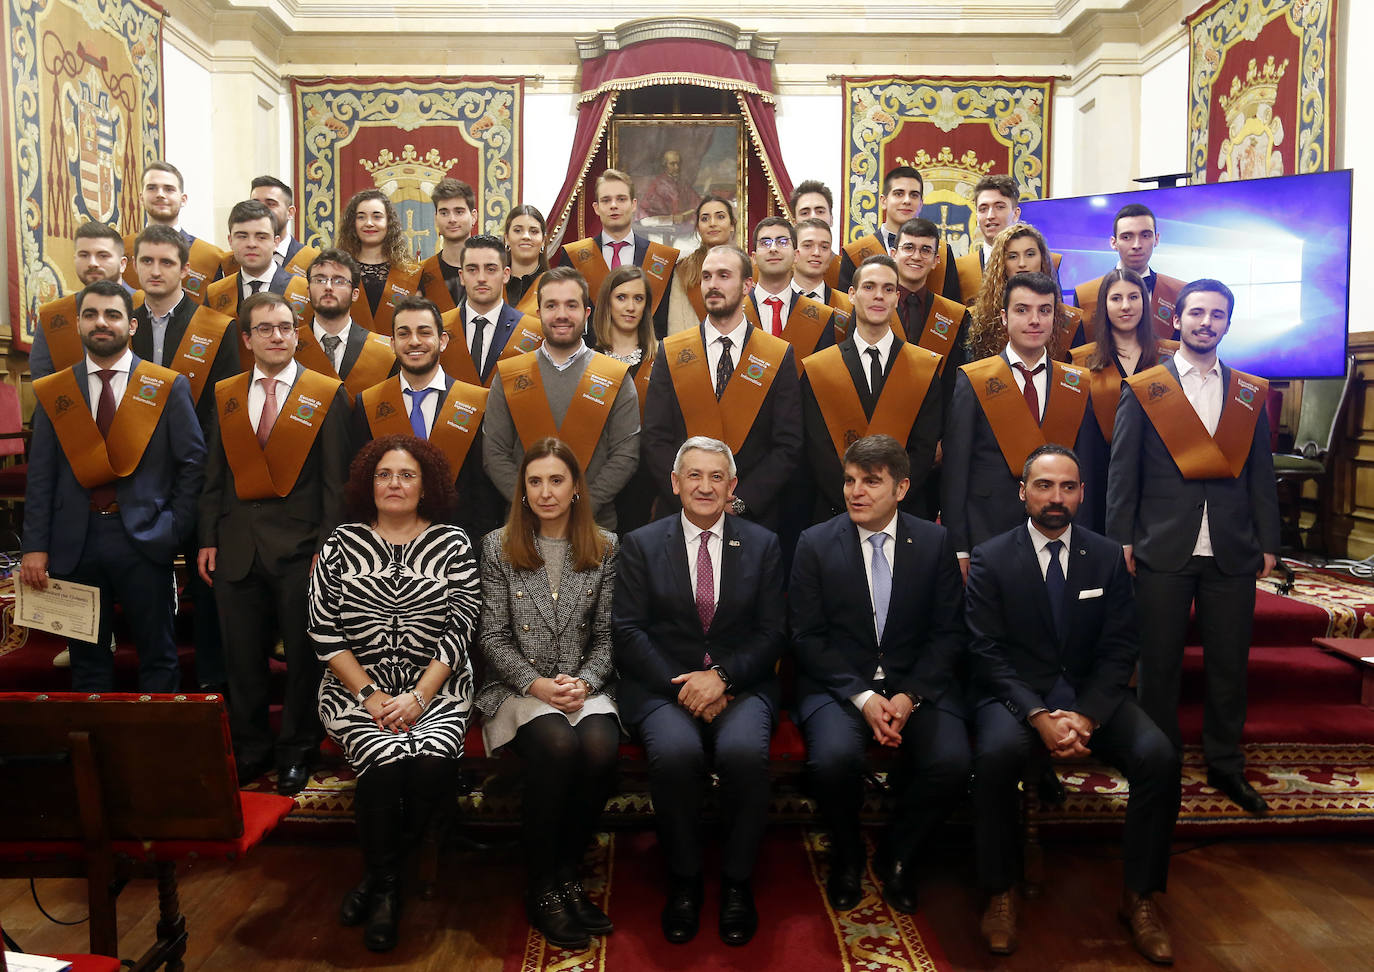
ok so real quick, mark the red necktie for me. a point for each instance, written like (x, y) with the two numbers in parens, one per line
(706, 588)
(103, 497)
(776, 304)
(615, 256)
(269, 410)
(1032, 396)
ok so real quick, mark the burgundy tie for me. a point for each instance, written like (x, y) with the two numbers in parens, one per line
(615, 255)
(1032, 396)
(103, 497)
(776, 304)
(269, 410)
(706, 588)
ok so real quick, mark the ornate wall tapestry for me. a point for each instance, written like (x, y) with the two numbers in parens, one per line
(83, 113)
(955, 130)
(402, 135)
(1261, 81)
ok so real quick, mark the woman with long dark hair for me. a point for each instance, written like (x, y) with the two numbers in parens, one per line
(370, 232)
(716, 226)
(525, 232)
(623, 328)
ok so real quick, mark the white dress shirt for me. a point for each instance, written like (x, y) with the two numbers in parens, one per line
(279, 254)
(245, 279)
(118, 383)
(715, 536)
(766, 310)
(627, 253)
(488, 332)
(1204, 392)
(1041, 544)
(714, 347)
(866, 555)
(430, 405)
(1042, 380)
(257, 397)
(884, 347)
(335, 359)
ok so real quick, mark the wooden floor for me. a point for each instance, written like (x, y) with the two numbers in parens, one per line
(1251, 906)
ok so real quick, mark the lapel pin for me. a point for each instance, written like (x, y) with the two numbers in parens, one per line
(908, 539)
(734, 543)
(1082, 552)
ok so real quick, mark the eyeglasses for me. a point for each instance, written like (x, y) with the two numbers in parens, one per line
(911, 249)
(338, 282)
(406, 476)
(769, 242)
(267, 330)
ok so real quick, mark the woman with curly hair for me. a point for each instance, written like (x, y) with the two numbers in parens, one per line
(716, 225)
(524, 234)
(1020, 248)
(370, 232)
(394, 599)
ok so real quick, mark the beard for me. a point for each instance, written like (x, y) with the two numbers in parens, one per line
(728, 309)
(1052, 517)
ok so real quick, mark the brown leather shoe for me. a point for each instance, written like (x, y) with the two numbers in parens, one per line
(999, 923)
(1139, 914)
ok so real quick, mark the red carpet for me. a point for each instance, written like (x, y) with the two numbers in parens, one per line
(797, 929)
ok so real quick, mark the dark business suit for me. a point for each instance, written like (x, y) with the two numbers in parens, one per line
(262, 569)
(1024, 661)
(826, 468)
(505, 327)
(979, 495)
(951, 286)
(281, 279)
(658, 635)
(838, 654)
(128, 553)
(1151, 507)
(767, 459)
(641, 249)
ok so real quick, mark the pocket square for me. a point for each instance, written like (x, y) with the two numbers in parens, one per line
(1087, 595)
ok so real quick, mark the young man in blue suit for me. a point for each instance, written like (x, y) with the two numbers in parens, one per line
(698, 626)
(115, 471)
(1055, 640)
(876, 609)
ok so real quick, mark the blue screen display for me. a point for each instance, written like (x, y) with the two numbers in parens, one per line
(1282, 245)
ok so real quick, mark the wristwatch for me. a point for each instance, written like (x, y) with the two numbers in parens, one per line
(723, 677)
(365, 693)
(737, 506)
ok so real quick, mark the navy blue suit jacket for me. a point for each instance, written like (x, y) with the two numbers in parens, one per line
(157, 501)
(505, 327)
(831, 614)
(657, 630)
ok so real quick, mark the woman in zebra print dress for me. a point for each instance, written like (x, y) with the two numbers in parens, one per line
(393, 603)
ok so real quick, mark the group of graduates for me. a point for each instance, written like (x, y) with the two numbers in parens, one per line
(752, 423)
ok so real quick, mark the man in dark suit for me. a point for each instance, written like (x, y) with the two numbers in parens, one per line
(815, 262)
(485, 321)
(332, 343)
(1055, 637)
(253, 238)
(877, 623)
(745, 370)
(278, 197)
(1135, 234)
(98, 254)
(775, 296)
(900, 200)
(111, 495)
(1191, 497)
(985, 437)
(698, 626)
(163, 197)
(273, 494)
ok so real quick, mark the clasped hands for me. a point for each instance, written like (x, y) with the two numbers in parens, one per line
(1065, 734)
(393, 713)
(564, 692)
(702, 694)
(887, 717)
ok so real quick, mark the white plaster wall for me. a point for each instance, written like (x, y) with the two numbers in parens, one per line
(811, 135)
(1164, 116)
(187, 140)
(1355, 140)
(550, 124)
(1063, 167)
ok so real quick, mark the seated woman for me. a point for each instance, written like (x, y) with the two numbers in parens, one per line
(1018, 249)
(394, 599)
(549, 674)
(716, 226)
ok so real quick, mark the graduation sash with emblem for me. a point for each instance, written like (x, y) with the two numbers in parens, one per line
(844, 313)
(400, 282)
(433, 286)
(456, 422)
(299, 264)
(969, 267)
(730, 418)
(1005, 407)
(523, 386)
(373, 364)
(94, 459)
(1105, 384)
(941, 328)
(223, 295)
(456, 359)
(529, 300)
(203, 264)
(659, 261)
(904, 391)
(1197, 454)
(642, 385)
(205, 332)
(806, 322)
(263, 473)
(57, 318)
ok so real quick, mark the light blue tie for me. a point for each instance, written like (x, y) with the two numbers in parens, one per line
(882, 582)
(417, 413)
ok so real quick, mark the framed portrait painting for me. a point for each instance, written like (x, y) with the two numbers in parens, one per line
(674, 161)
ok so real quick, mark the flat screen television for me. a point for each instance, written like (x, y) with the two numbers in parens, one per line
(1281, 244)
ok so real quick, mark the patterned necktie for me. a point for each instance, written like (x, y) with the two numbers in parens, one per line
(255, 286)
(615, 252)
(1054, 584)
(725, 367)
(269, 410)
(706, 587)
(479, 331)
(776, 304)
(882, 582)
(417, 412)
(875, 372)
(331, 344)
(1032, 396)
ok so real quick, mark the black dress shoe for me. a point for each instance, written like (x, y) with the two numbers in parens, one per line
(249, 770)
(739, 919)
(1049, 789)
(588, 915)
(682, 913)
(899, 885)
(552, 918)
(292, 779)
(356, 904)
(379, 934)
(844, 888)
(1242, 794)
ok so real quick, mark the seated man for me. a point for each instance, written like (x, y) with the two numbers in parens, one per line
(873, 666)
(698, 626)
(1053, 662)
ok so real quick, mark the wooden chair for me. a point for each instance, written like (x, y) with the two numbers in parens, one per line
(79, 963)
(117, 787)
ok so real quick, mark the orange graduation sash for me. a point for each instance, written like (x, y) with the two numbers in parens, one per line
(844, 313)
(400, 282)
(94, 459)
(863, 248)
(941, 328)
(373, 364)
(697, 301)
(904, 391)
(1105, 384)
(806, 322)
(57, 318)
(523, 386)
(456, 359)
(223, 295)
(433, 286)
(263, 473)
(642, 385)
(1197, 454)
(204, 263)
(731, 418)
(1012, 423)
(832, 272)
(1162, 301)
(659, 261)
(970, 270)
(205, 332)
(456, 422)
(529, 300)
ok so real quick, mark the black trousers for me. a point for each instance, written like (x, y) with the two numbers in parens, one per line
(1128, 740)
(1225, 614)
(252, 612)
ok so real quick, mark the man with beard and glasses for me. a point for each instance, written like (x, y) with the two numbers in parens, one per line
(331, 342)
(115, 470)
(98, 254)
(1191, 497)
(421, 400)
(1055, 637)
(566, 390)
(727, 380)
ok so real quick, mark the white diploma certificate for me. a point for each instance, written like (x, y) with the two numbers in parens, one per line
(66, 609)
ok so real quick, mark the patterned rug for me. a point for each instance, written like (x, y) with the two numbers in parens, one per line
(1348, 603)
